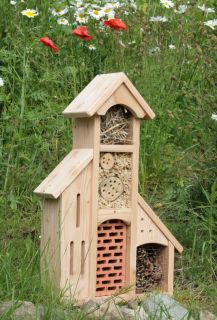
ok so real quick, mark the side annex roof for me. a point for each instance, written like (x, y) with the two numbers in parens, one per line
(65, 173)
(156, 220)
(99, 90)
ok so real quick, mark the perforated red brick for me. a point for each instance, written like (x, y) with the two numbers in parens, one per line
(111, 257)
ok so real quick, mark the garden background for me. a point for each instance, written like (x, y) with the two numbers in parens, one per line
(168, 50)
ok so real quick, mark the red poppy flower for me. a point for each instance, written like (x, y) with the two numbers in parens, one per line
(49, 43)
(116, 24)
(82, 33)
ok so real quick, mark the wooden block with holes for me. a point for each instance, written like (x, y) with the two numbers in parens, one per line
(98, 235)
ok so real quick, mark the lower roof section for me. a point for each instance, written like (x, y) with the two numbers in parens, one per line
(65, 173)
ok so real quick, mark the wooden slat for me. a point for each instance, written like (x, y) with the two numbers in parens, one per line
(116, 148)
(159, 223)
(94, 95)
(124, 97)
(99, 90)
(147, 230)
(64, 174)
(149, 113)
(50, 242)
(76, 283)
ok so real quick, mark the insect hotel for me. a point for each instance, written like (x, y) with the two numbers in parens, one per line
(98, 234)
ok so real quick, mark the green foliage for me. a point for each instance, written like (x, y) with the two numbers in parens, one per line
(178, 149)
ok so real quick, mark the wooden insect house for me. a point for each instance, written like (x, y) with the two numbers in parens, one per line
(98, 234)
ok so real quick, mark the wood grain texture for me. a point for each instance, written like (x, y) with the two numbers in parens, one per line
(75, 269)
(116, 148)
(124, 97)
(50, 242)
(99, 90)
(156, 220)
(64, 174)
(83, 133)
(147, 230)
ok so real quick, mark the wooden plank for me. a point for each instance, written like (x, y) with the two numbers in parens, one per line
(94, 209)
(76, 231)
(83, 133)
(124, 97)
(159, 224)
(134, 205)
(104, 216)
(149, 112)
(147, 231)
(166, 260)
(93, 96)
(102, 88)
(63, 175)
(170, 275)
(116, 148)
(50, 242)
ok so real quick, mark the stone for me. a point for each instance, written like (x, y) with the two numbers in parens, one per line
(21, 310)
(102, 308)
(141, 314)
(206, 315)
(133, 304)
(161, 306)
(90, 306)
(128, 313)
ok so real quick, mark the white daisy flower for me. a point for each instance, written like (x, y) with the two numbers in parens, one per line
(182, 8)
(211, 23)
(63, 21)
(154, 50)
(59, 11)
(91, 47)
(13, 2)
(122, 44)
(172, 47)
(108, 10)
(205, 9)
(96, 14)
(1, 82)
(167, 3)
(133, 5)
(214, 117)
(158, 19)
(114, 5)
(30, 13)
(80, 16)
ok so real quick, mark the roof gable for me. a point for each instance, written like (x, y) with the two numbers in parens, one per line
(156, 220)
(65, 173)
(98, 91)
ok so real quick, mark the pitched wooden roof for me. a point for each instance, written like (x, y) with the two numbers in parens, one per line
(98, 91)
(159, 224)
(65, 173)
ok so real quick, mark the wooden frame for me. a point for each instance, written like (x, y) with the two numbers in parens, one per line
(71, 212)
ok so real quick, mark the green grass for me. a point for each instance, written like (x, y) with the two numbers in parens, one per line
(178, 149)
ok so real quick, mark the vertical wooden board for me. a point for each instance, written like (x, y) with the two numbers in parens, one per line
(94, 209)
(50, 242)
(147, 231)
(167, 260)
(83, 133)
(75, 224)
(133, 227)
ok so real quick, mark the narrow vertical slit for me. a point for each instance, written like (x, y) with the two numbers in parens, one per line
(78, 210)
(71, 256)
(82, 256)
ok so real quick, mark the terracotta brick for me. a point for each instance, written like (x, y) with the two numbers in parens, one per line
(111, 257)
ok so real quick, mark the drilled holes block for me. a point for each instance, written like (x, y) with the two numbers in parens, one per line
(107, 161)
(111, 188)
(111, 257)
